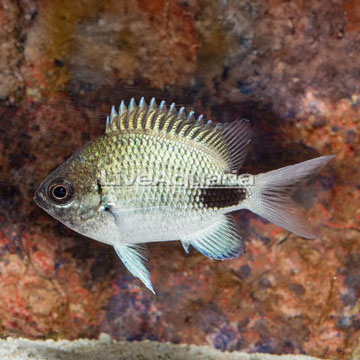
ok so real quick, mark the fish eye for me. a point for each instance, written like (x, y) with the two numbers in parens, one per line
(60, 191)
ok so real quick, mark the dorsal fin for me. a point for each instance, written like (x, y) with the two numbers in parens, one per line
(228, 140)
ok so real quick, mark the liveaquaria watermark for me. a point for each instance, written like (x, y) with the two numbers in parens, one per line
(177, 180)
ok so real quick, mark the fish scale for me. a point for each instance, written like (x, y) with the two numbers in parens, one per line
(165, 144)
(173, 164)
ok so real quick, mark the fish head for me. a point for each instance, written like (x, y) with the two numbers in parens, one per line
(70, 194)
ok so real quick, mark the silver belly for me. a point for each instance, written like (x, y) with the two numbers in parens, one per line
(155, 225)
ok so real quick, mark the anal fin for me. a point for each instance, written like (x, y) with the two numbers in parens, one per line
(219, 241)
(133, 259)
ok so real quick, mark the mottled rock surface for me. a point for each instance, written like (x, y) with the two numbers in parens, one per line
(292, 68)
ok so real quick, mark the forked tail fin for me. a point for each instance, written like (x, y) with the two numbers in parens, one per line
(271, 196)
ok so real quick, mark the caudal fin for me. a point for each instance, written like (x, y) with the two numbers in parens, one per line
(271, 197)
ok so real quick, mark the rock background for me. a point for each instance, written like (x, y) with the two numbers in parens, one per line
(292, 68)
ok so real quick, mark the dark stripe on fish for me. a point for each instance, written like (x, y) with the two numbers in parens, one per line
(221, 197)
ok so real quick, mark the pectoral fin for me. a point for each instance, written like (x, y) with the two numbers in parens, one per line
(219, 241)
(133, 259)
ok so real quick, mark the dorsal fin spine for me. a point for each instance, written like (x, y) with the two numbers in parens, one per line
(132, 108)
(171, 118)
(150, 119)
(141, 110)
(113, 116)
(161, 118)
(107, 123)
(181, 113)
(149, 116)
(171, 123)
(122, 116)
(190, 116)
(188, 130)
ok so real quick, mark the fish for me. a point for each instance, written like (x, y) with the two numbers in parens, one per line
(163, 174)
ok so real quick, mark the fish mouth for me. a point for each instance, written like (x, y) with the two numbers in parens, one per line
(40, 200)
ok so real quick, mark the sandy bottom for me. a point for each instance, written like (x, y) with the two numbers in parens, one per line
(105, 348)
